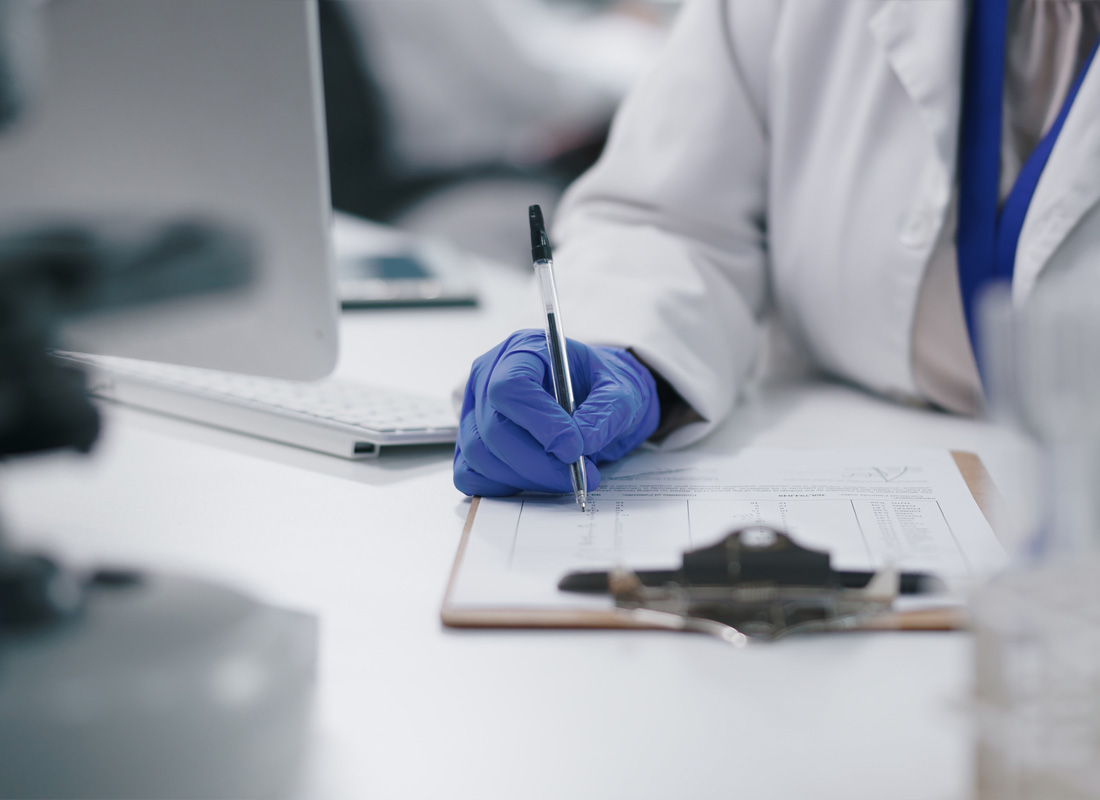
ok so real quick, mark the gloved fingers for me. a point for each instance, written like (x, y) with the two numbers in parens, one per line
(517, 389)
(503, 452)
(619, 448)
(516, 448)
(611, 410)
(469, 481)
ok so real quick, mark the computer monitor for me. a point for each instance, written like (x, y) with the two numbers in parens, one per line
(211, 109)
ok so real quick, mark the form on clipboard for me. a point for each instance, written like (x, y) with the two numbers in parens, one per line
(917, 509)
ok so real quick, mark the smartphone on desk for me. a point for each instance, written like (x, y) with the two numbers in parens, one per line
(380, 267)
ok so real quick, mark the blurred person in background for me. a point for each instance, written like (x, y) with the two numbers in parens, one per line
(445, 118)
(861, 169)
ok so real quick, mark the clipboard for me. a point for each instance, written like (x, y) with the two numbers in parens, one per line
(970, 466)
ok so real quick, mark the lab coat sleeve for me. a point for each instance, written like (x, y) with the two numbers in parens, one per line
(661, 245)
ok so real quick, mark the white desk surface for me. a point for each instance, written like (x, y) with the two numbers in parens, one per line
(409, 709)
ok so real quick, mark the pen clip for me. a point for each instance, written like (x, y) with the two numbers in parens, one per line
(757, 583)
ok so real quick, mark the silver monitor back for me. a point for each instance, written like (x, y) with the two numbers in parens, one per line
(208, 108)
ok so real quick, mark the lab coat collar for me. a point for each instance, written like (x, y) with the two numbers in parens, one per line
(923, 43)
(1068, 188)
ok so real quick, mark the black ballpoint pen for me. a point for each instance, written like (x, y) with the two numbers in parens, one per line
(555, 338)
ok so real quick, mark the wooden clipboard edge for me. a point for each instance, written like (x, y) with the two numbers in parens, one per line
(519, 617)
(980, 484)
(459, 556)
(970, 466)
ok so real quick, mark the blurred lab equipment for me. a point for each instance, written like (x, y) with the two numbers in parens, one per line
(66, 271)
(1037, 626)
(232, 131)
(115, 682)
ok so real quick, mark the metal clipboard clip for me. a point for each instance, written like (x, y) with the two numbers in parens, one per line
(755, 584)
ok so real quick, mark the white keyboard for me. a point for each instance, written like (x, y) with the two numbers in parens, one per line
(332, 416)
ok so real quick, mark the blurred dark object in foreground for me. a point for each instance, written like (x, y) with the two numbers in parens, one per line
(52, 273)
(121, 684)
(117, 683)
(158, 687)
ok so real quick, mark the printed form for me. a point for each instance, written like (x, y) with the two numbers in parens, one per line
(867, 508)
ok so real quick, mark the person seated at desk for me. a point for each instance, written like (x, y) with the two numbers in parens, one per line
(863, 169)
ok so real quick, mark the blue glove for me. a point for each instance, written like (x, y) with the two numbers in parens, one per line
(513, 435)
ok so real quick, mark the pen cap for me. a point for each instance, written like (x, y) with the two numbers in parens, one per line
(540, 244)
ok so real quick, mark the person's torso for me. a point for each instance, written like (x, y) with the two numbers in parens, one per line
(862, 102)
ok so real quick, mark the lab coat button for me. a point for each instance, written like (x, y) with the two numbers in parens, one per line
(916, 231)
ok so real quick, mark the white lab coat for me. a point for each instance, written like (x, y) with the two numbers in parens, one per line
(801, 154)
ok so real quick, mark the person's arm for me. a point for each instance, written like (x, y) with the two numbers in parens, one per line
(663, 253)
(661, 247)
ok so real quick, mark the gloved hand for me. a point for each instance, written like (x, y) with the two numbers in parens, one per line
(513, 435)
